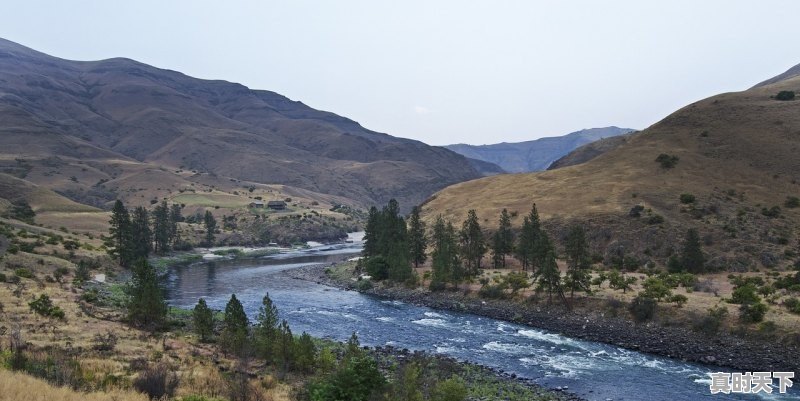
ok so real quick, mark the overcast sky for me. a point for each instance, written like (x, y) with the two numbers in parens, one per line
(441, 71)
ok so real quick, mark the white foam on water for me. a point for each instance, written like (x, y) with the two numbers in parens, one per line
(551, 338)
(338, 314)
(506, 348)
(458, 340)
(385, 319)
(431, 322)
(434, 314)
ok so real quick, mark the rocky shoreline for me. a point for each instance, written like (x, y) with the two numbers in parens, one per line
(724, 350)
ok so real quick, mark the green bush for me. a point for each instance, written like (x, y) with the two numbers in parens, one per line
(364, 285)
(678, 299)
(44, 306)
(752, 313)
(3, 278)
(655, 219)
(667, 161)
(793, 304)
(711, 324)
(785, 95)
(643, 308)
(745, 295)
(23, 273)
(792, 202)
(687, 198)
(772, 212)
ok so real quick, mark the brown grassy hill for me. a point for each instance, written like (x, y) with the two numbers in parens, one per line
(737, 155)
(120, 109)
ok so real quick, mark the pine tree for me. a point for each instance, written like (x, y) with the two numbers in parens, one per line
(472, 244)
(266, 329)
(416, 237)
(285, 347)
(141, 237)
(503, 240)
(306, 353)
(234, 327)
(120, 234)
(162, 229)
(371, 233)
(203, 320)
(445, 264)
(529, 247)
(578, 261)
(211, 227)
(549, 276)
(175, 217)
(692, 257)
(146, 305)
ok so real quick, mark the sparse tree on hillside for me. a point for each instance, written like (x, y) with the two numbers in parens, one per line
(119, 242)
(234, 327)
(578, 261)
(416, 237)
(146, 305)
(371, 233)
(306, 353)
(203, 320)
(472, 244)
(141, 236)
(211, 227)
(285, 347)
(692, 257)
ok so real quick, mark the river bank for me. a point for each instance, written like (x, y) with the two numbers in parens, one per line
(724, 350)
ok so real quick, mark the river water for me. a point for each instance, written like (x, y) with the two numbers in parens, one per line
(592, 370)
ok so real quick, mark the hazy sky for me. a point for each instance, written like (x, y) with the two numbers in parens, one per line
(441, 71)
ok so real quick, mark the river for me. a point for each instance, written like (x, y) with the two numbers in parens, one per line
(592, 370)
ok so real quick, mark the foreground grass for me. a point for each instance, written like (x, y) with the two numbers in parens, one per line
(21, 387)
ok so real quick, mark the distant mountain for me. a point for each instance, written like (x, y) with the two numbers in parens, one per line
(536, 155)
(120, 113)
(589, 151)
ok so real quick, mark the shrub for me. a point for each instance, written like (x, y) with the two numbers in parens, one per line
(772, 212)
(23, 273)
(667, 161)
(643, 308)
(687, 198)
(793, 304)
(792, 202)
(712, 323)
(636, 211)
(745, 295)
(655, 219)
(785, 95)
(104, 342)
(44, 306)
(3, 278)
(679, 300)
(157, 382)
(452, 389)
(656, 289)
(752, 313)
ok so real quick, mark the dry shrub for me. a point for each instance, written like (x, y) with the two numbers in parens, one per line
(157, 381)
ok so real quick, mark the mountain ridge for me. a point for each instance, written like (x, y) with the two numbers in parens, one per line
(537, 154)
(122, 109)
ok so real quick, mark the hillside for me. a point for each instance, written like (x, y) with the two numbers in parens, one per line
(737, 155)
(115, 119)
(589, 151)
(534, 155)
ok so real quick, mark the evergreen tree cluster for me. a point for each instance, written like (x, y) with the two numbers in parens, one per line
(387, 251)
(134, 235)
